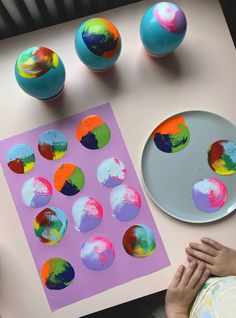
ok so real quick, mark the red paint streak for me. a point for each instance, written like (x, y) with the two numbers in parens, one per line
(16, 165)
(215, 153)
(130, 240)
(46, 151)
(44, 217)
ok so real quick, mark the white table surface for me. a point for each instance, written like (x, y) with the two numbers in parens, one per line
(201, 74)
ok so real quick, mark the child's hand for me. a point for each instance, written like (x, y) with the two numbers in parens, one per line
(184, 287)
(219, 259)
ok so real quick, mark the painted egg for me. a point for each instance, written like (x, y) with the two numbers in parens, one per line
(98, 44)
(36, 192)
(163, 28)
(87, 214)
(97, 253)
(111, 172)
(52, 144)
(209, 194)
(40, 72)
(57, 273)
(50, 225)
(172, 135)
(69, 179)
(20, 158)
(139, 241)
(93, 132)
(125, 202)
(222, 157)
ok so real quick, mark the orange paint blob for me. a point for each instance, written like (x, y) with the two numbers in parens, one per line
(87, 125)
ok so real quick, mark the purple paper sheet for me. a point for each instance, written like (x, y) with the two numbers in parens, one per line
(125, 267)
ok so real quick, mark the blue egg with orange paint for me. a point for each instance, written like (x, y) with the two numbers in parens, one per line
(163, 28)
(40, 73)
(98, 44)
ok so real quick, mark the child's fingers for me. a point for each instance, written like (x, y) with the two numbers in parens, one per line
(206, 273)
(188, 274)
(212, 243)
(206, 248)
(196, 275)
(199, 255)
(177, 276)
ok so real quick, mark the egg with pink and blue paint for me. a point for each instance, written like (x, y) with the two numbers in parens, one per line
(98, 44)
(87, 214)
(97, 253)
(111, 172)
(163, 28)
(209, 194)
(40, 72)
(125, 202)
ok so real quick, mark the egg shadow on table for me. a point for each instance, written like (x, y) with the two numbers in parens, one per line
(58, 104)
(170, 64)
(110, 78)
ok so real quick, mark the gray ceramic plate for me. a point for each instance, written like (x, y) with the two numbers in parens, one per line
(169, 177)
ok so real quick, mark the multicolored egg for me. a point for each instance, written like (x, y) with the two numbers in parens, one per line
(52, 144)
(36, 192)
(172, 135)
(98, 44)
(87, 214)
(125, 202)
(40, 72)
(69, 179)
(97, 253)
(57, 273)
(222, 157)
(20, 158)
(50, 225)
(163, 28)
(139, 241)
(111, 172)
(93, 132)
(209, 194)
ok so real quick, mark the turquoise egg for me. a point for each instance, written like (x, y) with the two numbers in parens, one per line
(163, 28)
(40, 72)
(98, 44)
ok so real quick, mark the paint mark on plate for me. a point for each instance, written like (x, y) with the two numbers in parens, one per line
(172, 135)
(209, 194)
(222, 157)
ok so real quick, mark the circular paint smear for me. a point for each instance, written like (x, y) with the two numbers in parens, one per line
(93, 132)
(50, 225)
(209, 194)
(36, 192)
(87, 214)
(222, 157)
(125, 202)
(111, 172)
(69, 179)
(97, 253)
(139, 241)
(57, 273)
(172, 135)
(52, 144)
(20, 158)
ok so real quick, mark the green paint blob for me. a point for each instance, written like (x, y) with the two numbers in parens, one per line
(102, 134)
